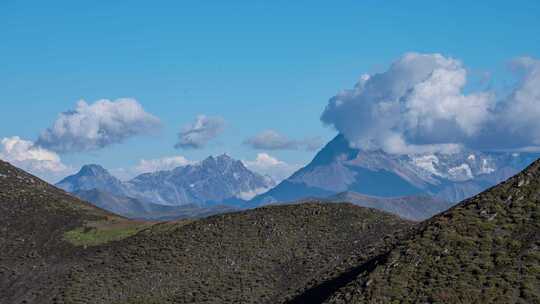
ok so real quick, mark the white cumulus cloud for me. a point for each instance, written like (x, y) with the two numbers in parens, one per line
(94, 126)
(197, 134)
(266, 164)
(36, 160)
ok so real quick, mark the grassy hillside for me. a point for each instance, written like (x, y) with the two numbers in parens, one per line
(484, 250)
(59, 249)
(35, 215)
(257, 256)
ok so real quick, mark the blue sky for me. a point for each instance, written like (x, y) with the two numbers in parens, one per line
(259, 65)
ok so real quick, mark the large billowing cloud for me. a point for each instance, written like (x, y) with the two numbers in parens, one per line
(197, 134)
(94, 126)
(272, 140)
(419, 105)
(36, 160)
(266, 164)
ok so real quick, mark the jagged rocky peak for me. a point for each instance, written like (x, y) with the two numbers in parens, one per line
(93, 170)
(224, 158)
(92, 177)
(337, 149)
(220, 161)
(215, 160)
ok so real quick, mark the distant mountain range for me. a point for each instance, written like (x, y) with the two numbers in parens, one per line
(413, 207)
(413, 186)
(213, 181)
(449, 177)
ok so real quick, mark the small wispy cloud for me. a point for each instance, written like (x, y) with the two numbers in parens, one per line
(272, 140)
(160, 164)
(151, 165)
(266, 164)
(197, 134)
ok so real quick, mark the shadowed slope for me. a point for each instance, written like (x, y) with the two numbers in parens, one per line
(37, 212)
(484, 250)
(34, 217)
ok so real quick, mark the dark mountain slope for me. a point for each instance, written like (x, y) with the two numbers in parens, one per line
(58, 249)
(33, 219)
(484, 250)
(32, 210)
(257, 256)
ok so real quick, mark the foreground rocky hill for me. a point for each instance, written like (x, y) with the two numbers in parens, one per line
(484, 250)
(58, 249)
(257, 256)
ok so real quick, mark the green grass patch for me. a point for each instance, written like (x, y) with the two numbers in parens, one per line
(100, 233)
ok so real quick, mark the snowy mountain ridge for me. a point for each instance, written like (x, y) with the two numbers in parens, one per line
(211, 181)
(451, 177)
